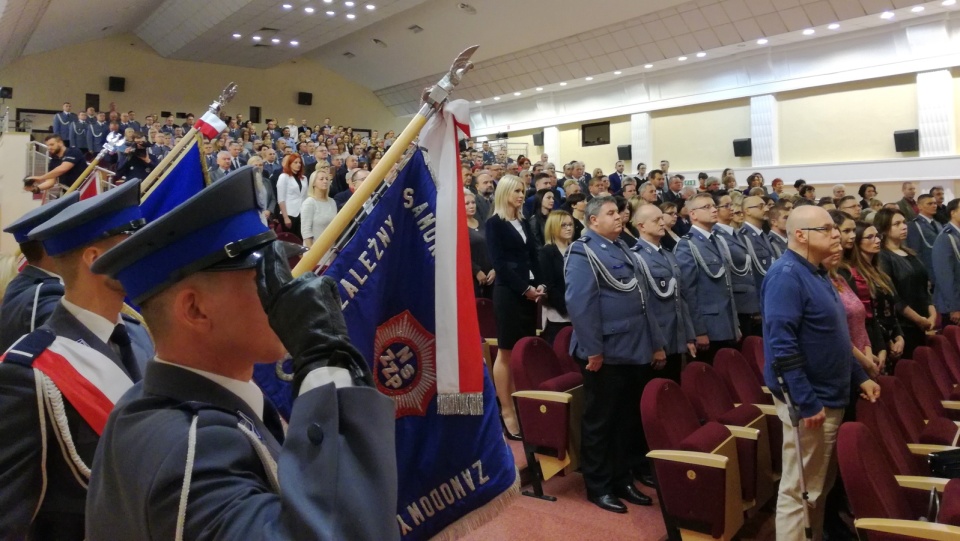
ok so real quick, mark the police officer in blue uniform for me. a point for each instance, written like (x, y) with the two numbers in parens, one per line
(62, 121)
(922, 232)
(33, 294)
(667, 300)
(946, 267)
(194, 451)
(777, 236)
(616, 340)
(706, 281)
(59, 383)
(739, 265)
(759, 248)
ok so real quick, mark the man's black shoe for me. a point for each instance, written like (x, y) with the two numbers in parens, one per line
(646, 479)
(609, 502)
(632, 495)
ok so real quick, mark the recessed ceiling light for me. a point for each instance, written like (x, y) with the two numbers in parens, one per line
(294, 43)
(256, 38)
(563, 84)
(348, 4)
(516, 93)
(762, 41)
(617, 72)
(916, 9)
(809, 32)
(476, 101)
(833, 26)
(351, 16)
(886, 15)
(309, 10)
(648, 66)
(701, 54)
(948, 2)
(327, 1)
(288, 6)
(331, 13)
(371, 7)
(237, 36)
(682, 58)
(539, 88)
(275, 40)
(589, 78)
(496, 98)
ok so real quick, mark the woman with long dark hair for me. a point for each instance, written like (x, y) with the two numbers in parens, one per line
(542, 206)
(916, 311)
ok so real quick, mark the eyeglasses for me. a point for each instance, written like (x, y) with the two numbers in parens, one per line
(830, 228)
(761, 205)
(727, 206)
(738, 213)
(566, 225)
(706, 207)
(670, 213)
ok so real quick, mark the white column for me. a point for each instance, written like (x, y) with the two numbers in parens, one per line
(764, 130)
(641, 142)
(551, 145)
(935, 113)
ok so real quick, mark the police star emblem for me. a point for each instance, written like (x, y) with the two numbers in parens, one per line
(405, 367)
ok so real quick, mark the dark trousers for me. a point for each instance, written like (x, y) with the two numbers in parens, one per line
(551, 329)
(715, 346)
(750, 325)
(672, 369)
(913, 337)
(612, 437)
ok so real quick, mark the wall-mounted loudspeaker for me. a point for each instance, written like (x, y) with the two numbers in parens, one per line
(538, 139)
(304, 98)
(742, 147)
(624, 152)
(117, 84)
(503, 135)
(907, 140)
(6, 92)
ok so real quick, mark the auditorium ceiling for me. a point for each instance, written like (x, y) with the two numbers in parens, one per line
(396, 47)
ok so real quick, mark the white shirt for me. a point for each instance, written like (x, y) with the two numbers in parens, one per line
(727, 228)
(244, 390)
(315, 216)
(702, 230)
(656, 247)
(289, 193)
(756, 229)
(781, 237)
(97, 324)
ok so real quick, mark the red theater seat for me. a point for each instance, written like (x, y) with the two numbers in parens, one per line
(942, 376)
(561, 347)
(752, 348)
(904, 409)
(696, 467)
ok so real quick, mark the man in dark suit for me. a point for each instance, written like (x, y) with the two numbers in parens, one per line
(922, 232)
(132, 122)
(271, 166)
(354, 179)
(223, 166)
(674, 192)
(734, 252)
(706, 281)
(33, 293)
(236, 160)
(485, 188)
(615, 365)
(76, 365)
(339, 183)
(657, 179)
(908, 205)
(616, 178)
(778, 230)
(332, 474)
(942, 215)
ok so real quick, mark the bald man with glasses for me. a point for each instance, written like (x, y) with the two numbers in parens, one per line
(706, 281)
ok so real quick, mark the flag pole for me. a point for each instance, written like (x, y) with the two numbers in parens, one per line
(225, 96)
(433, 100)
(108, 146)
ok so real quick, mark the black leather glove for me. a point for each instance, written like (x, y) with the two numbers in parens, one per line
(305, 313)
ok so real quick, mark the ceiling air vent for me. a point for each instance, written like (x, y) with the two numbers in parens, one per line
(416, 29)
(268, 29)
(261, 45)
(348, 54)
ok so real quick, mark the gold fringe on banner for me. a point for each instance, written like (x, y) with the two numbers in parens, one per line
(460, 404)
(478, 517)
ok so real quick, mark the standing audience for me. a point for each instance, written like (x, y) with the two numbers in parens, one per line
(291, 191)
(318, 209)
(558, 234)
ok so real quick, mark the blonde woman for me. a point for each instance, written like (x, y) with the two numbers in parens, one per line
(557, 234)
(318, 209)
(516, 289)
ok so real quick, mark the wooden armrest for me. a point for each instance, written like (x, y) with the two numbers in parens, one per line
(951, 404)
(909, 528)
(491, 341)
(690, 457)
(744, 432)
(549, 396)
(925, 449)
(766, 389)
(922, 483)
(767, 409)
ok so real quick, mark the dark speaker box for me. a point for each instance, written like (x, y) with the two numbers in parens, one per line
(503, 135)
(624, 152)
(742, 147)
(538, 139)
(907, 140)
(304, 98)
(6, 92)
(254, 114)
(117, 84)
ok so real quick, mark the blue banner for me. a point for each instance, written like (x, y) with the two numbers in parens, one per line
(449, 465)
(179, 182)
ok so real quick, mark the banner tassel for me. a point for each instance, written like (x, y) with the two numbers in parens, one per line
(478, 517)
(460, 404)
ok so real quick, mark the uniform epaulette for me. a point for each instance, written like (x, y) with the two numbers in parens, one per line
(25, 350)
(130, 319)
(583, 238)
(686, 237)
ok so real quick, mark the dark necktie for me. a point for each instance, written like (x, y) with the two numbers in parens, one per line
(236, 163)
(121, 339)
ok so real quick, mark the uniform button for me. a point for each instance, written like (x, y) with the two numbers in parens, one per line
(315, 434)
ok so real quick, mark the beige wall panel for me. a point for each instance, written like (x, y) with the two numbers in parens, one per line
(848, 122)
(700, 137)
(602, 156)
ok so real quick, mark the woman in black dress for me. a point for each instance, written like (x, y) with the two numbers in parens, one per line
(629, 235)
(542, 205)
(915, 310)
(483, 274)
(558, 234)
(516, 289)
